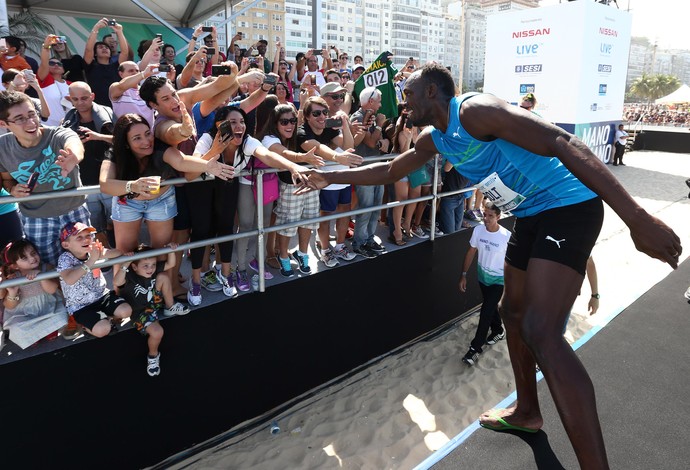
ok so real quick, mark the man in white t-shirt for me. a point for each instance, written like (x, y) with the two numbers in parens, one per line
(621, 142)
(491, 242)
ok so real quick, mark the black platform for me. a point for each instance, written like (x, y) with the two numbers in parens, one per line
(640, 366)
(676, 140)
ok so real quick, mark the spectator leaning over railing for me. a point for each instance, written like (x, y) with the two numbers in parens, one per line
(100, 71)
(132, 175)
(52, 154)
(329, 143)
(55, 88)
(279, 135)
(94, 125)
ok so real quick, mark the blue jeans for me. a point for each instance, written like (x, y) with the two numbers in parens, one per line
(365, 224)
(451, 213)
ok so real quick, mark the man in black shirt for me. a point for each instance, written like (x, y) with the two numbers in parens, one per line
(100, 71)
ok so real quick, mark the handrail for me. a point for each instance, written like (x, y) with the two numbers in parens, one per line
(258, 232)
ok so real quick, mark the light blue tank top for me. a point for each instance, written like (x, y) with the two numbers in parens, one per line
(515, 179)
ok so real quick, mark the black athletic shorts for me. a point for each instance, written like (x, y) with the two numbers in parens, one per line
(92, 313)
(565, 235)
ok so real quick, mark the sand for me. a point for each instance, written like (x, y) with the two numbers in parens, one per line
(394, 414)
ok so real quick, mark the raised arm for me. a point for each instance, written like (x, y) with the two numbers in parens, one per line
(124, 45)
(156, 43)
(91, 40)
(44, 66)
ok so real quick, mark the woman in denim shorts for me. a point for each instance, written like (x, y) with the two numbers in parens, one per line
(131, 174)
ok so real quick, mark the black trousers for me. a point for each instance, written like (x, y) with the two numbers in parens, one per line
(618, 155)
(488, 315)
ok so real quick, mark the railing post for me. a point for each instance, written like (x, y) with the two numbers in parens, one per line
(261, 258)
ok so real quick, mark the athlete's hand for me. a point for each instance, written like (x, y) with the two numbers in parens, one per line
(656, 239)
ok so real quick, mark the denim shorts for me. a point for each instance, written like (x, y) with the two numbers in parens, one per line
(160, 209)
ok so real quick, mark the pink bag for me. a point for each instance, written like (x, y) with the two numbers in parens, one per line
(271, 188)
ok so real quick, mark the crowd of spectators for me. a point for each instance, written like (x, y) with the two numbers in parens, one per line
(657, 114)
(105, 118)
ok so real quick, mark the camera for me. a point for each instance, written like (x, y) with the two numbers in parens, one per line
(334, 122)
(224, 128)
(218, 70)
(164, 68)
(112, 22)
(159, 36)
(210, 51)
(61, 39)
(270, 80)
(207, 29)
(252, 61)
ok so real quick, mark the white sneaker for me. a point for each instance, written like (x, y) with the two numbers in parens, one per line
(176, 309)
(344, 253)
(194, 295)
(153, 366)
(229, 288)
(329, 259)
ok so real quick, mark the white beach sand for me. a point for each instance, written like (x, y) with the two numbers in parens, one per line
(395, 413)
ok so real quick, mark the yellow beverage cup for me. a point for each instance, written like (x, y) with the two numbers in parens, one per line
(157, 188)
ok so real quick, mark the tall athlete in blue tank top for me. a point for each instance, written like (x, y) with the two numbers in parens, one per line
(554, 185)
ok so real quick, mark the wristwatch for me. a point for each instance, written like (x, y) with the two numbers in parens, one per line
(596, 296)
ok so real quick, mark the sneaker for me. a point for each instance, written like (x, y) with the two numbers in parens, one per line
(469, 214)
(242, 281)
(194, 295)
(209, 281)
(272, 261)
(495, 338)
(478, 214)
(254, 264)
(72, 330)
(418, 232)
(329, 259)
(364, 251)
(344, 253)
(471, 357)
(286, 268)
(228, 285)
(302, 262)
(176, 309)
(153, 366)
(374, 245)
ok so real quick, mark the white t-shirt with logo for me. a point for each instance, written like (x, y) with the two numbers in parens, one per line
(492, 248)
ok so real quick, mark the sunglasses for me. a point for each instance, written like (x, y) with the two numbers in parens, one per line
(341, 96)
(346, 77)
(344, 57)
(55, 62)
(283, 63)
(285, 122)
(319, 112)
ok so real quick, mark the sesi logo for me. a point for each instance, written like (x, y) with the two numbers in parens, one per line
(606, 49)
(527, 49)
(530, 68)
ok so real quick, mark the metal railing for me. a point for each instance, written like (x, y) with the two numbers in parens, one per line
(259, 232)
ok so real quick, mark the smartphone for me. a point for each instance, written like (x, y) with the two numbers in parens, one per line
(411, 58)
(159, 36)
(33, 179)
(270, 80)
(313, 79)
(80, 133)
(409, 124)
(207, 29)
(252, 60)
(164, 68)
(334, 122)
(3, 43)
(61, 39)
(218, 70)
(224, 128)
(241, 34)
(112, 22)
(210, 51)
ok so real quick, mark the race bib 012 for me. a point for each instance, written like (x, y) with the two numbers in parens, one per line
(497, 192)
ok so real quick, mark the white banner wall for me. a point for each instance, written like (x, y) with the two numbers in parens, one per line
(572, 56)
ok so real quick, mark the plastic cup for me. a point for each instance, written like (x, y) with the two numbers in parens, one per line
(157, 188)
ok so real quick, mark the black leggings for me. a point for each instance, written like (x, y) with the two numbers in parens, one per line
(212, 205)
(488, 316)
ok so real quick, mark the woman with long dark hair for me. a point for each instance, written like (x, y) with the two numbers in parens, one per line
(132, 173)
(280, 135)
(216, 203)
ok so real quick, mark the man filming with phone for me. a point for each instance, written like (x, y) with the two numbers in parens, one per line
(100, 71)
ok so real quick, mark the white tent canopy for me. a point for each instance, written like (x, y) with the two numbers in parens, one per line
(187, 13)
(681, 95)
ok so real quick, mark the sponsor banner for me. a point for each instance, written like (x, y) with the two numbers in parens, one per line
(598, 136)
(572, 56)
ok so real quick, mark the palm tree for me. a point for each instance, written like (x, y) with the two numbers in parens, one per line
(652, 87)
(641, 87)
(32, 28)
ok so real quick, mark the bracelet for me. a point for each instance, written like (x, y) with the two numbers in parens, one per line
(86, 268)
(596, 296)
(194, 38)
(335, 157)
(128, 187)
(13, 298)
(464, 273)
(47, 47)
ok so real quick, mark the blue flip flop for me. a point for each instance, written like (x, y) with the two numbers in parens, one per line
(506, 426)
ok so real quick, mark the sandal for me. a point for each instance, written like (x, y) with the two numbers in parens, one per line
(400, 242)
